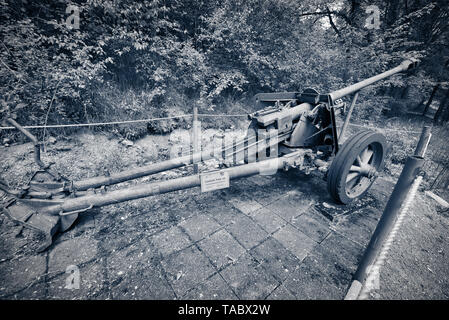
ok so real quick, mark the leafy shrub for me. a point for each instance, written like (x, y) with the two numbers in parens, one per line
(158, 58)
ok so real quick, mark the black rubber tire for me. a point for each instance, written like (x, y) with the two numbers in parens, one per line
(337, 162)
(345, 158)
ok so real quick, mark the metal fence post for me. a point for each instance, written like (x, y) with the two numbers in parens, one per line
(389, 216)
(424, 140)
(195, 137)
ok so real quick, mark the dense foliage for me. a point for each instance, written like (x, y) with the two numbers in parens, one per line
(136, 59)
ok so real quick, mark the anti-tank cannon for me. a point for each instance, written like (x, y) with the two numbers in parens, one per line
(291, 129)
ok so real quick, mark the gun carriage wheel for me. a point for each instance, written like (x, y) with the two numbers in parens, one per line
(356, 166)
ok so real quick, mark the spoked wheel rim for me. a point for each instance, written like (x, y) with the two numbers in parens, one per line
(364, 170)
(356, 166)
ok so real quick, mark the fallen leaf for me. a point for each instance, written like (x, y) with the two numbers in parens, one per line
(179, 275)
(127, 143)
(329, 206)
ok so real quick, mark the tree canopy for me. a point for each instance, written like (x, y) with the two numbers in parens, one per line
(167, 55)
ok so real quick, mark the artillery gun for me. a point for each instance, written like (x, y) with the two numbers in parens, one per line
(292, 129)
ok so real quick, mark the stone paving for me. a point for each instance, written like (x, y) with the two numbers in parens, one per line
(265, 237)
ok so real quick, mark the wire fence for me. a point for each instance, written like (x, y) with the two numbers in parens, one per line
(436, 165)
(74, 125)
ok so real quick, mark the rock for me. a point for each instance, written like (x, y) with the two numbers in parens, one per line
(6, 141)
(322, 169)
(328, 206)
(51, 140)
(127, 143)
(63, 148)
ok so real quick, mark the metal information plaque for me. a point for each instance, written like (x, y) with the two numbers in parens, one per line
(214, 180)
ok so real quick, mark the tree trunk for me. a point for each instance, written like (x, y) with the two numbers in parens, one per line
(445, 114)
(429, 102)
(442, 109)
(405, 92)
(356, 14)
(392, 12)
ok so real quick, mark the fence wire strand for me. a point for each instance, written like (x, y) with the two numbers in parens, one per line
(436, 165)
(72, 125)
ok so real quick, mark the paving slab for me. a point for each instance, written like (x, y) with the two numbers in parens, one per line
(281, 293)
(214, 288)
(85, 224)
(221, 248)
(246, 231)
(134, 257)
(287, 207)
(199, 226)
(307, 282)
(295, 241)
(366, 217)
(35, 291)
(187, 269)
(275, 259)
(170, 240)
(16, 240)
(349, 251)
(17, 275)
(110, 240)
(76, 251)
(147, 283)
(358, 233)
(269, 221)
(337, 269)
(313, 224)
(248, 279)
(224, 214)
(245, 204)
(86, 282)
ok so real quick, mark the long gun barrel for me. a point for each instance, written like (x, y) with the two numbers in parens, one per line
(404, 66)
(309, 98)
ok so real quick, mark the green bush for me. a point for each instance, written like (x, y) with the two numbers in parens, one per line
(158, 58)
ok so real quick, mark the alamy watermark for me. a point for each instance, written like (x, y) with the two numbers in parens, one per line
(227, 149)
(73, 20)
(73, 280)
(373, 19)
